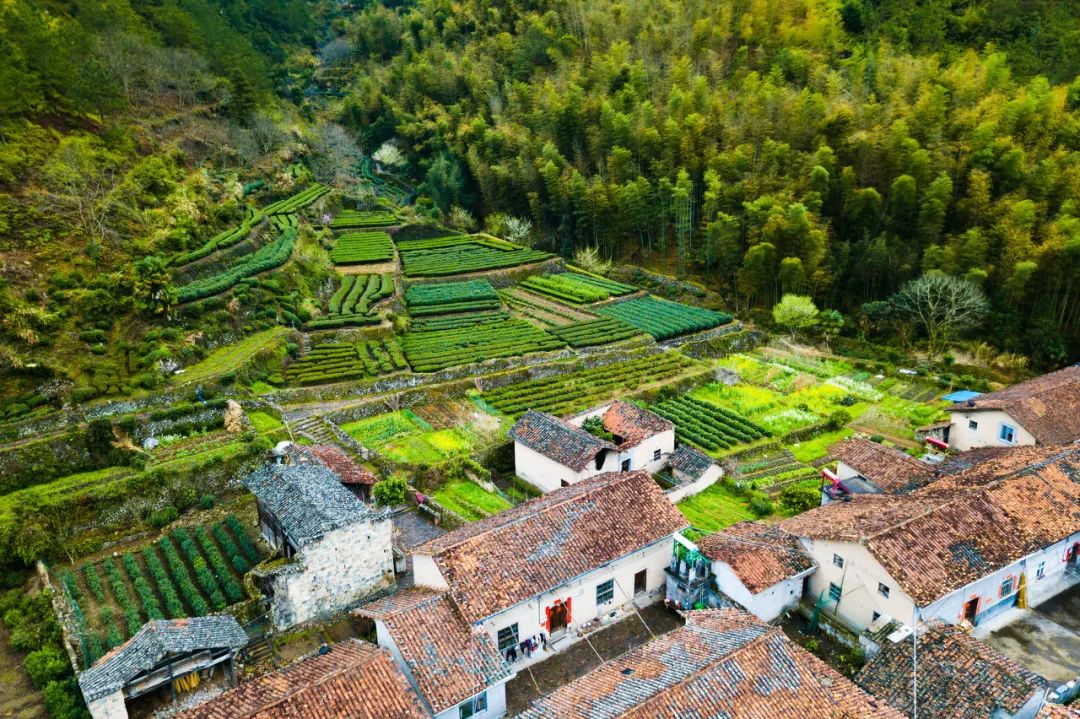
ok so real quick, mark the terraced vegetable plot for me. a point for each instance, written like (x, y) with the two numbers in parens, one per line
(715, 508)
(335, 362)
(444, 256)
(449, 297)
(297, 202)
(450, 322)
(405, 437)
(707, 425)
(544, 310)
(576, 288)
(359, 219)
(774, 471)
(220, 241)
(568, 392)
(664, 319)
(434, 350)
(358, 248)
(191, 572)
(266, 258)
(352, 302)
(593, 332)
(469, 499)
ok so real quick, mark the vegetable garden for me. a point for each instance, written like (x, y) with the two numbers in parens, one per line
(707, 425)
(357, 248)
(575, 288)
(449, 297)
(593, 332)
(664, 319)
(268, 257)
(542, 309)
(359, 219)
(429, 351)
(444, 256)
(336, 362)
(353, 300)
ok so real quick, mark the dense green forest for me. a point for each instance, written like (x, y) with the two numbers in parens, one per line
(831, 148)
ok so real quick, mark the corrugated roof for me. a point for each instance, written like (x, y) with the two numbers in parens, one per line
(722, 663)
(155, 641)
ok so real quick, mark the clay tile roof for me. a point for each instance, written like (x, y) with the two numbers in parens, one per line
(307, 499)
(941, 538)
(632, 425)
(448, 662)
(689, 461)
(354, 680)
(722, 663)
(1057, 711)
(760, 555)
(1048, 406)
(155, 641)
(960, 677)
(557, 439)
(888, 469)
(545, 542)
(348, 471)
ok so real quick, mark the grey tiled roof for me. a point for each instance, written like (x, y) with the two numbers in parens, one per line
(307, 499)
(557, 439)
(691, 462)
(155, 641)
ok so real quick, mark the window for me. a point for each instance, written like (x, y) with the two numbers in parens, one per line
(973, 425)
(1007, 433)
(472, 707)
(508, 637)
(656, 455)
(1040, 571)
(626, 465)
(877, 616)
(605, 592)
(837, 560)
(1006, 587)
(834, 592)
(883, 590)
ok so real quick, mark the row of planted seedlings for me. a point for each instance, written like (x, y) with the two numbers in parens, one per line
(190, 572)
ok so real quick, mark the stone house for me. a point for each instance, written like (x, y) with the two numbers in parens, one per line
(964, 548)
(161, 652)
(550, 452)
(959, 677)
(1044, 410)
(722, 663)
(756, 566)
(339, 550)
(866, 467)
(348, 680)
(536, 576)
(456, 672)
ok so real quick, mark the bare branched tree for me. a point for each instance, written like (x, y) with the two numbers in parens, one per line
(943, 305)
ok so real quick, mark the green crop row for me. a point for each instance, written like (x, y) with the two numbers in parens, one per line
(612, 287)
(122, 595)
(224, 576)
(296, 202)
(239, 563)
(567, 289)
(367, 290)
(348, 219)
(173, 606)
(456, 307)
(435, 350)
(93, 581)
(203, 575)
(150, 605)
(285, 222)
(450, 322)
(251, 552)
(459, 255)
(663, 319)
(180, 573)
(593, 332)
(357, 248)
(266, 258)
(706, 425)
(333, 362)
(220, 241)
(449, 293)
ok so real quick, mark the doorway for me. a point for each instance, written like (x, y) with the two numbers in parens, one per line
(1072, 557)
(971, 610)
(557, 620)
(639, 582)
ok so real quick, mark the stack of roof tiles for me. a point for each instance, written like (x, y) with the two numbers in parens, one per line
(448, 662)
(959, 676)
(550, 540)
(760, 555)
(722, 663)
(1048, 406)
(354, 680)
(959, 528)
(888, 469)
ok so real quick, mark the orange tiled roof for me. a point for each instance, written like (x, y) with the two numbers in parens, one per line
(1056, 711)
(500, 561)
(723, 663)
(944, 536)
(886, 468)
(760, 555)
(354, 680)
(1047, 406)
(448, 662)
(633, 425)
(348, 471)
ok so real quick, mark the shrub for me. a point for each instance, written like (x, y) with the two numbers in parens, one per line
(799, 498)
(761, 506)
(163, 517)
(47, 664)
(390, 492)
(63, 700)
(207, 501)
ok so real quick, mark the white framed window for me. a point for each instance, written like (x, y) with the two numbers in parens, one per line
(656, 455)
(1007, 433)
(508, 637)
(472, 707)
(1040, 571)
(838, 561)
(883, 590)
(834, 592)
(605, 592)
(973, 425)
(1006, 587)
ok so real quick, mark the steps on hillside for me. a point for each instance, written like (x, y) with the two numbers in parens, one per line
(259, 651)
(315, 429)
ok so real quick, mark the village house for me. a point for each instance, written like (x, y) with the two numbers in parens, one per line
(1044, 410)
(457, 673)
(158, 657)
(959, 677)
(722, 663)
(964, 548)
(534, 576)
(550, 452)
(354, 477)
(348, 680)
(866, 467)
(339, 549)
(759, 567)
